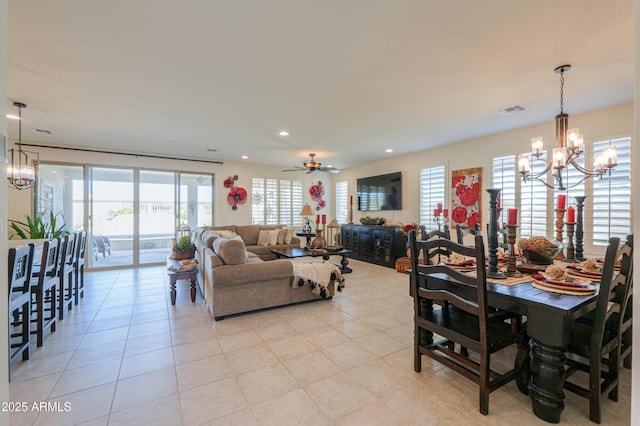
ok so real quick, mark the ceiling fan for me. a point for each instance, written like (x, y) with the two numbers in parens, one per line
(312, 165)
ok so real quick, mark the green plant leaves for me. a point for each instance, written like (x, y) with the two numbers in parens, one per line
(37, 228)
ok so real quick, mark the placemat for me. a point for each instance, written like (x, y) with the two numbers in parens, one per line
(511, 280)
(562, 291)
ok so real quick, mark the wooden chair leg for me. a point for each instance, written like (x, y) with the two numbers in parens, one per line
(594, 391)
(484, 385)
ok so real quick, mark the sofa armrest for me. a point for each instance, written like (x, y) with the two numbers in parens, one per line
(251, 273)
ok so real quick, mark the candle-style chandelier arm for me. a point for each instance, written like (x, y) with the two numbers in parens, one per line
(588, 172)
(558, 178)
(548, 166)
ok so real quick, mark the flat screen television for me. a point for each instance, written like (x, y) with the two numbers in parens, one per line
(383, 192)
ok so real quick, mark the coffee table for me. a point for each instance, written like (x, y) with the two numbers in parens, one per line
(293, 253)
(174, 276)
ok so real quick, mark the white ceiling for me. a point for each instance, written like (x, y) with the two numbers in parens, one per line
(347, 78)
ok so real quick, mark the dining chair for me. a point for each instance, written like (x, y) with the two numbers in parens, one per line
(78, 266)
(20, 262)
(65, 275)
(457, 310)
(463, 232)
(595, 346)
(430, 254)
(44, 289)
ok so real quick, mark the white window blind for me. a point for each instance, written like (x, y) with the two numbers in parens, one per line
(612, 196)
(504, 177)
(342, 202)
(533, 203)
(432, 192)
(276, 202)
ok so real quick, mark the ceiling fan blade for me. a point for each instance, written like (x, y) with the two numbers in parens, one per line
(329, 169)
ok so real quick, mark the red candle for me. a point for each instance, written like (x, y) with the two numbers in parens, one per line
(324, 219)
(571, 215)
(562, 202)
(436, 212)
(512, 216)
(317, 218)
(439, 208)
(446, 213)
(350, 199)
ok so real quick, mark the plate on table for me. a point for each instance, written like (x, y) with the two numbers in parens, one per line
(573, 286)
(461, 265)
(530, 268)
(583, 273)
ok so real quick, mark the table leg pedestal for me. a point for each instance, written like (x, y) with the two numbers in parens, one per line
(172, 282)
(547, 369)
(193, 289)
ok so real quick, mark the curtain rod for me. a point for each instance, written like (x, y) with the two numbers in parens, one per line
(121, 153)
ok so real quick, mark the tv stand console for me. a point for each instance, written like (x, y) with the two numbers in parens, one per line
(377, 244)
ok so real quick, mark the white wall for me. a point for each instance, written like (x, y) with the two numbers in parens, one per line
(20, 202)
(635, 372)
(4, 318)
(478, 152)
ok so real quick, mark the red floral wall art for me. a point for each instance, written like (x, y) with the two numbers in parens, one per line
(236, 195)
(466, 191)
(317, 192)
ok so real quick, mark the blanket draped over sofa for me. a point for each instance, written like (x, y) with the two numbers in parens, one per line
(318, 274)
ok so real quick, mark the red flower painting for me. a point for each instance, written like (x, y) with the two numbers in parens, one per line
(465, 196)
(237, 196)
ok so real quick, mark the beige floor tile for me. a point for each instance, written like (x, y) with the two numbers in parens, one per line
(372, 415)
(97, 354)
(325, 337)
(55, 346)
(416, 403)
(276, 331)
(90, 376)
(291, 347)
(203, 372)
(243, 417)
(83, 406)
(146, 362)
(164, 411)
(311, 368)
(379, 377)
(102, 338)
(36, 389)
(339, 395)
(146, 343)
(243, 339)
(244, 360)
(195, 351)
(355, 328)
(348, 355)
(266, 382)
(191, 334)
(209, 402)
(144, 388)
(22, 370)
(292, 408)
(136, 330)
(380, 344)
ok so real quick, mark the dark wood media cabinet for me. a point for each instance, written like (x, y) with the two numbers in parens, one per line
(377, 244)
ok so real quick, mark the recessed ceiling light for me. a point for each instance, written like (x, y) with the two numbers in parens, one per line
(388, 150)
(212, 150)
(284, 133)
(245, 157)
(13, 117)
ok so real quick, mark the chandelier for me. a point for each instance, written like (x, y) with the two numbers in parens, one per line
(21, 174)
(569, 146)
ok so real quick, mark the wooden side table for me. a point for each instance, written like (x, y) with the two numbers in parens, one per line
(174, 276)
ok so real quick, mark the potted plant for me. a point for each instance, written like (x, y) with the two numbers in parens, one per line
(183, 248)
(37, 228)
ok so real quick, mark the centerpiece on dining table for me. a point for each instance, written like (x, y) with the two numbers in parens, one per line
(539, 250)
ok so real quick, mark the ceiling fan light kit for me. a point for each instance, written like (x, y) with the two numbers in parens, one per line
(312, 165)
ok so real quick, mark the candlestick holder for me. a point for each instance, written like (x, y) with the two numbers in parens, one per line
(560, 229)
(511, 261)
(440, 220)
(579, 228)
(492, 238)
(570, 258)
(351, 211)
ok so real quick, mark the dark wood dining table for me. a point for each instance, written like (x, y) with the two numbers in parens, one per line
(550, 319)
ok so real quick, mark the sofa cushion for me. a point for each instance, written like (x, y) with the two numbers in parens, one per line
(263, 238)
(289, 234)
(231, 251)
(249, 233)
(273, 237)
(282, 233)
(209, 235)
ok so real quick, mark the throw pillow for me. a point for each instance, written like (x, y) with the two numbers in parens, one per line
(232, 252)
(263, 238)
(208, 237)
(227, 234)
(281, 235)
(273, 237)
(289, 236)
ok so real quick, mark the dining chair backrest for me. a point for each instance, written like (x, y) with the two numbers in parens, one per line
(475, 304)
(434, 250)
(20, 263)
(81, 245)
(462, 232)
(69, 249)
(49, 263)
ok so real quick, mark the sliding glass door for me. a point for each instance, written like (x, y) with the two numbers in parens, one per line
(131, 215)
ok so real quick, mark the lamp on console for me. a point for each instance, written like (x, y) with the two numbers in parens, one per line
(306, 212)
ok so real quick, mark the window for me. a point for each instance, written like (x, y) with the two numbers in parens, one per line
(504, 177)
(432, 192)
(276, 202)
(342, 206)
(533, 203)
(612, 196)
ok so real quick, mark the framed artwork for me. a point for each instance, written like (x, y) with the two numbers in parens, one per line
(466, 192)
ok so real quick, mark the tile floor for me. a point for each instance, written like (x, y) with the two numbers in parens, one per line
(126, 356)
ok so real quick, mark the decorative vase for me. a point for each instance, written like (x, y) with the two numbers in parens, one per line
(318, 242)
